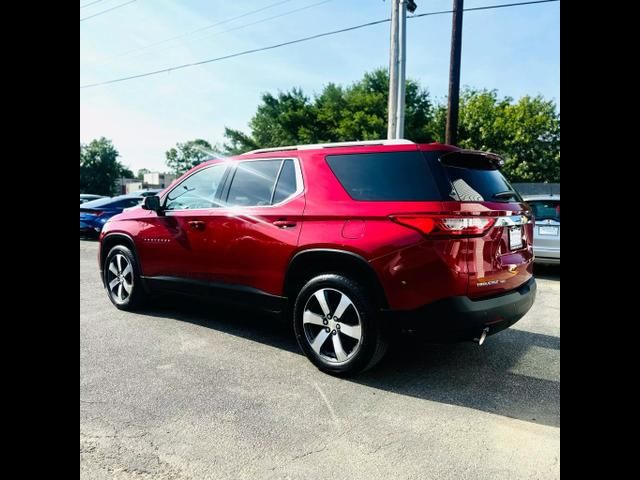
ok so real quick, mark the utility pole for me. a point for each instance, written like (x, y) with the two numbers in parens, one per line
(402, 67)
(397, 66)
(451, 136)
(393, 72)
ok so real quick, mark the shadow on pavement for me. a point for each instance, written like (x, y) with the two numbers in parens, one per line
(548, 272)
(514, 374)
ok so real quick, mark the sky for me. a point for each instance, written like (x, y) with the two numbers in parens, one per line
(515, 50)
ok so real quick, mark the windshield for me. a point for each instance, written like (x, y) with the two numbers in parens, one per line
(545, 209)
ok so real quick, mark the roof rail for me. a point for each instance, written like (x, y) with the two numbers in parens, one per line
(399, 141)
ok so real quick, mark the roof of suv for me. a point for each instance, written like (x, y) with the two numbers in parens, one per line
(346, 147)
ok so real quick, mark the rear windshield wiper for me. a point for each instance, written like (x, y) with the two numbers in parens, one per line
(506, 194)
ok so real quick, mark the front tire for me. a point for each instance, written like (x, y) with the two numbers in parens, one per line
(122, 278)
(338, 326)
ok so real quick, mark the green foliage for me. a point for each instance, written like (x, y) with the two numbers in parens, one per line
(100, 168)
(187, 155)
(141, 173)
(356, 112)
(526, 133)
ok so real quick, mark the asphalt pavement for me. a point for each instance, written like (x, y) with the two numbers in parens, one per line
(191, 390)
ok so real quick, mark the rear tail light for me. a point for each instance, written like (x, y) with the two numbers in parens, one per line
(98, 213)
(437, 225)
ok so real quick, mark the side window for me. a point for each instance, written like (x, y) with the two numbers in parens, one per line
(198, 190)
(286, 185)
(253, 183)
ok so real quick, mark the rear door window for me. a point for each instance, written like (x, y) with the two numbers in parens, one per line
(286, 185)
(253, 183)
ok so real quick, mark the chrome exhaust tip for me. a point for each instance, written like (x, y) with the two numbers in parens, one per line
(483, 336)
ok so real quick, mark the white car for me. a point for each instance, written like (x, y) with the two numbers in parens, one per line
(546, 234)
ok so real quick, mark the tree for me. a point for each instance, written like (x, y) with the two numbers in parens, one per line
(187, 155)
(526, 133)
(356, 112)
(100, 168)
(141, 173)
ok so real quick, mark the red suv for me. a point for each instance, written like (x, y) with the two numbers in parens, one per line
(349, 239)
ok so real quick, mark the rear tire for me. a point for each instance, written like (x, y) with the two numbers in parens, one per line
(338, 325)
(122, 278)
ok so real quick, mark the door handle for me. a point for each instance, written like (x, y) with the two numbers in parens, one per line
(282, 223)
(196, 225)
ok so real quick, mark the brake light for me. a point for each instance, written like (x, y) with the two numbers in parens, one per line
(436, 225)
(98, 213)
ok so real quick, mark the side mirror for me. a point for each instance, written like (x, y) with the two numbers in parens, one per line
(152, 203)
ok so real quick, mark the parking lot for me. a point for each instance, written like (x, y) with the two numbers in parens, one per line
(190, 390)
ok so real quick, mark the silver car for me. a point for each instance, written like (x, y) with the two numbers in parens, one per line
(546, 235)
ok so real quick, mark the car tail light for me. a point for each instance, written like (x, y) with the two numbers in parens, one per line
(98, 213)
(440, 225)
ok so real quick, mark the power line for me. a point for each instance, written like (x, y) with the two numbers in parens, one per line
(107, 10)
(300, 40)
(239, 27)
(206, 27)
(88, 4)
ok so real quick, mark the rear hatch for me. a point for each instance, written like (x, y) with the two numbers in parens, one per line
(500, 258)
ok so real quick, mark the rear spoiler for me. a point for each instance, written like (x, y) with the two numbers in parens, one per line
(472, 159)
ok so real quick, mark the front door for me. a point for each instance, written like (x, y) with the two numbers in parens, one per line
(181, 243)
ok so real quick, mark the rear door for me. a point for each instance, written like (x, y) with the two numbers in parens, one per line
(264, 202)
(501, 259)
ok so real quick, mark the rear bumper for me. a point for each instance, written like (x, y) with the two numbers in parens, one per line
(546, 254)
(462, 318)
(86, 227)
(547, 260)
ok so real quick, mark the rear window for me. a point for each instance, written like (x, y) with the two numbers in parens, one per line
(475, 177)
(462, 176)
(545, 209)
(389, 176)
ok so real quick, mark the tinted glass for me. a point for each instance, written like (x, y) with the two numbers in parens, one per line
(545, 209)
(480, 185)
(286, 185)
(128, 202)
(253, 183)
(392, 176)
(198, 190)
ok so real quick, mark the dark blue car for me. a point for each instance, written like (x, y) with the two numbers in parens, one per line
(94, 214)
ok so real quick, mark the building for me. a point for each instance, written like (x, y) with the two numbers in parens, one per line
(158, 180)
(128, 185)
(149, 180)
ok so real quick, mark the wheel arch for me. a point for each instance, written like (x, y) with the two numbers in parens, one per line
(109, 241)
(309, 263)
